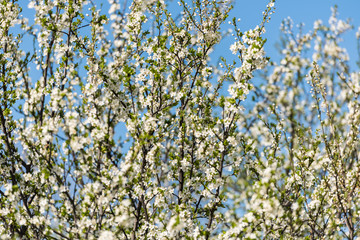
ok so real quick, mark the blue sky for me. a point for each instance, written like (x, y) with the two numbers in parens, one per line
(301, 11)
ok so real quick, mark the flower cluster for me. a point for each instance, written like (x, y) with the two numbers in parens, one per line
(118, 125)
(302, 179)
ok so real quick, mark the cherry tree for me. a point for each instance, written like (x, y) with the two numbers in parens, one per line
(301, 175)
(120, 126)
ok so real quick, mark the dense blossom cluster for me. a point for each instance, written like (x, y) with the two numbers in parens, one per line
(301, 180)
(119, 126)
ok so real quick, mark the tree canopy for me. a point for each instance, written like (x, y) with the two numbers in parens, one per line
(121, 126)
